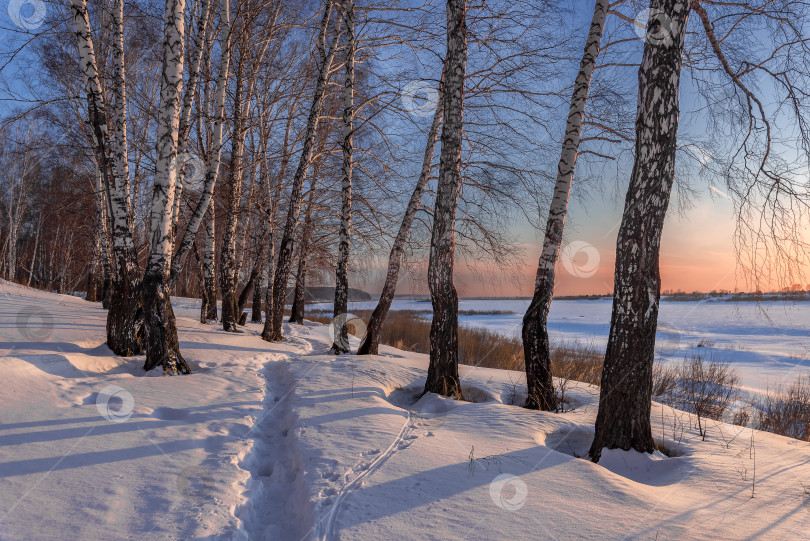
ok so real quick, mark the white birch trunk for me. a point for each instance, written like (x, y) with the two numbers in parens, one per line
(623, 419)
(215, 159)
(286, 246)
(124, 306)
(188, 101)
(535, 333)
(160, 333)
(341, 333)
(442, 375)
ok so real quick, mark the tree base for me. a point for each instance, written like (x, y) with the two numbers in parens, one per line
(537, 355)
(124, 318)
(160, 329)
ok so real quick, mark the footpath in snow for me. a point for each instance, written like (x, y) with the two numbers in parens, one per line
(285, 441)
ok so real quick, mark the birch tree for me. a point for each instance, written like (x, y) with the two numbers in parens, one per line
(539, 384)
(184, 129)
(340, 344)
(756, 176)
(215, 158)
(286, 246)
(273, 195)
(623, 420)
(442, 377)
(125, 297)
(160, 331)
(227, 264)
(208, 309)
(371, 341)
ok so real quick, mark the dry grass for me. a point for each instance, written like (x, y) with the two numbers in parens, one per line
(786, 410)
(410, 331)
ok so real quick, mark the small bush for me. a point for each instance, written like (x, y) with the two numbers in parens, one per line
(705, 387)
(665, 379)
(786, 411)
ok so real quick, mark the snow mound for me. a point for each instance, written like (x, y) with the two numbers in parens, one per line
(648, 469)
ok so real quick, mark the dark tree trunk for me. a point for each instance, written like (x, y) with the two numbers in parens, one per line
(106, 286)
(227, 260)
(623, 420)
(208, 308)
(160, 338)
(442, 375)
(539, 383)
(299, 302)
(285, 251)
(371, 341)
(256, 307)
(125, 315)
(298, 307)
(92, 283)
(255, 273)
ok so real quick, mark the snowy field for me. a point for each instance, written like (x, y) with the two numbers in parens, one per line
(767, 344)
(283, 441)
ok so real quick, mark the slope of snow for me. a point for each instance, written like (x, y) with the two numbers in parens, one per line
(284, 441)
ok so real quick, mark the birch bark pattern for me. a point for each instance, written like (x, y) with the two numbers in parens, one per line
(124, 299)
(270, 224)
(442, 377)
(208, 310)
(623, 419)
(340, 343)
(298, 306)
(286, 245)
(539, 383)
(188, 101)
(160, 331)
(371, 341)
(215, 159)
(227, 251)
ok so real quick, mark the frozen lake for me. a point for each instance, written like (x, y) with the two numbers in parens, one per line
(767, 345)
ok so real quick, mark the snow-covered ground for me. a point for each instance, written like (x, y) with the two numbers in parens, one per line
(284, 441)
(767, 344)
